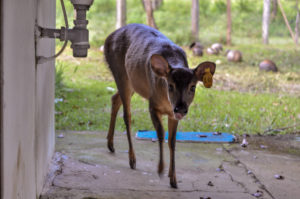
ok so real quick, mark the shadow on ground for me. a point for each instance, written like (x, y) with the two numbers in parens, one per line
(84, 169)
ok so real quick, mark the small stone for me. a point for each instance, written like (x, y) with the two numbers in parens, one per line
(117, 171)
(219, 169)
(246, 135)
(257, 194)
(263, 147)
(279, 177)
(244, 143)
(154, 140)
(64, 157)
(249, 172)
(60, 136)
(210, 184)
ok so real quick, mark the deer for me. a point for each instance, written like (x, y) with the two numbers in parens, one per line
(144, 61)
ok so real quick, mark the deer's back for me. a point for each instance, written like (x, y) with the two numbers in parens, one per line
(132, 47)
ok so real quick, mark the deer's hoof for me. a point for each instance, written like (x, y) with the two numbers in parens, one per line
(173, 184)
(111, 148)
(160, 170)
(132, 163)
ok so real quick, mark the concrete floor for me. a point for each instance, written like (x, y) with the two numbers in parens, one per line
(84, 169)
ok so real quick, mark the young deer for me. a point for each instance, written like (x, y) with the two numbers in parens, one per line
(144, 61)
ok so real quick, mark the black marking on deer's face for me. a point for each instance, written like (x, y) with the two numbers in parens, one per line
(181, 88)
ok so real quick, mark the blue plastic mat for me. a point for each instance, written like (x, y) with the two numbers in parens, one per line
(208, 137)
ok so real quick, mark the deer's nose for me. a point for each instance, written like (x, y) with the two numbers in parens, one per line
(180, 109)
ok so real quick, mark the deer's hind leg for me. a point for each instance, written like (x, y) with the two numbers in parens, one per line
(126, 97)
(115, 106)
(123, 96)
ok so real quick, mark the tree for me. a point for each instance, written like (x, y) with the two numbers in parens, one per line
(195, 20)
(274, 9)
(266, 21)
(121, 13)
(155, 4)
(228, 36)
(297, 24)
(149, 11)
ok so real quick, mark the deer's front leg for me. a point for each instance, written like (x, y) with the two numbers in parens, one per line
(156, 120)
(172, 126)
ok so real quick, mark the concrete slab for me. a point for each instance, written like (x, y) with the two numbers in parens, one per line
(86, 170)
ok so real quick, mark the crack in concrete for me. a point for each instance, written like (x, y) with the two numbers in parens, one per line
(238, 161)
(246, 190)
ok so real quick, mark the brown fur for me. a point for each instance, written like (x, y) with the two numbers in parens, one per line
(144, 61)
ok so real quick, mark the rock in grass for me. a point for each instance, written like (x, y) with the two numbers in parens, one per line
(197, 49)
(268, 65)
(234, 55)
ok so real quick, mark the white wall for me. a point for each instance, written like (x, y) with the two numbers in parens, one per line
(28, 96)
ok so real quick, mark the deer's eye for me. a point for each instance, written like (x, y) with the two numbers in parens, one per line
(193, 88)
(171, 88)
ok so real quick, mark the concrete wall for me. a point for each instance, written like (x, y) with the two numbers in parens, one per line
(28, 98)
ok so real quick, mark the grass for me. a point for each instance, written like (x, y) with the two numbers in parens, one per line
(242, 100)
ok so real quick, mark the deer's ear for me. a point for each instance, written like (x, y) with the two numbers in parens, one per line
(160, 65)
(203, 68)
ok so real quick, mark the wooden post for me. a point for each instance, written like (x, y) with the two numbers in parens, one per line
(266, 21)
(195, 20)
(286, 21)
(228, 36)
(121, 13)
(149, 12)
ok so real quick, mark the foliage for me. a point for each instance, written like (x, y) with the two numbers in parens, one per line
(59, 78)
(173, 19)
(242, 100)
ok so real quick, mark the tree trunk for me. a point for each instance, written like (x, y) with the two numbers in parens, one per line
(266, 21)
(228, 37)
(121, 13)
(274, 9)
(297, 24)
(155, 4)
(149, 12)
(195, 20)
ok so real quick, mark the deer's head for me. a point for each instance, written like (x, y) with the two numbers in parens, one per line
(182, 82)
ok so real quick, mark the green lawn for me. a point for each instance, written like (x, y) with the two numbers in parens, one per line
(242, 100)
